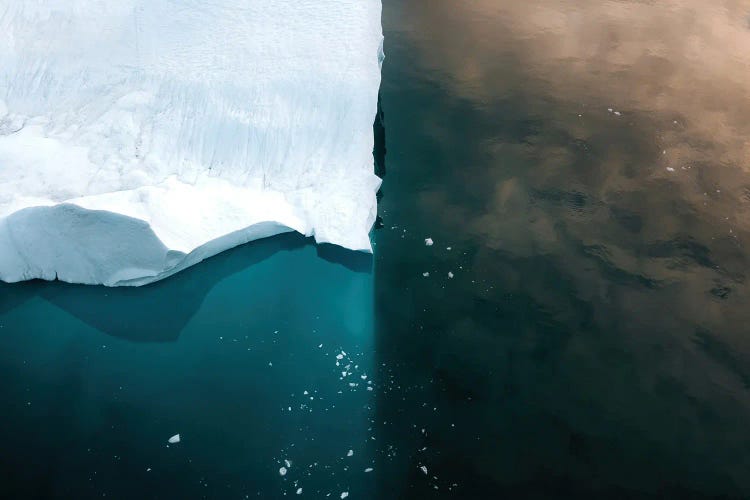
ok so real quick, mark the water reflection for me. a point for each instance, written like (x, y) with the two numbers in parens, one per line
(586, 163)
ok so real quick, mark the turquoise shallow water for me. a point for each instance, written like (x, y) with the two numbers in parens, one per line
(239, 357)
(582, 172)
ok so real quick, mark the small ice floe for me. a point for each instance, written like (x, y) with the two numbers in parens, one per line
(148, 469)
(287, 463)
(344, 494)
(617, 113)
(670, 169)
(609, 109)
(428, 242)
(450, 274)
(299, 491)
(350, 453)
(174, 439)
(369, 469)
(424, 468)
(282, 471)
(339, 356)
(426, 274)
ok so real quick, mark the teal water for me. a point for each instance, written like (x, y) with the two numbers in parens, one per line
(581, 169)
(239, 357)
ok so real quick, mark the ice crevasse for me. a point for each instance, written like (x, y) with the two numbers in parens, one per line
(139, 137)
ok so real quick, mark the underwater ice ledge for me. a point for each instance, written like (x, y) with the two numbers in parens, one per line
(117, 171)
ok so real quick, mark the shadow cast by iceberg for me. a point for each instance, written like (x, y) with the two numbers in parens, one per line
(158, 312)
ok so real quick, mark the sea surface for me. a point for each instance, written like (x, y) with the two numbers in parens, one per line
(578, 328)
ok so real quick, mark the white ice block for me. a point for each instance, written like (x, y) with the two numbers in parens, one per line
(139, 137)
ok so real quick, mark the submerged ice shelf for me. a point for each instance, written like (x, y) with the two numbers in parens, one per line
(140, 137)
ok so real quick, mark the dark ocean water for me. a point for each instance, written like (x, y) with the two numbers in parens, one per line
(582, 330)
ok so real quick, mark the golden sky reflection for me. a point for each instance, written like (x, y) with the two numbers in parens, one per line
(635, 179)
(673, 152)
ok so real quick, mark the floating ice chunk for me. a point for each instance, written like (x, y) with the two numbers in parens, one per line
(287, 463)
(425, 274)
(670, 169)
(350, 453)
(299, 491)
(369, 469)
(423, 468)
(344, 494)
(174, 439)
(450, 274)
(428, 242)
(282, 471)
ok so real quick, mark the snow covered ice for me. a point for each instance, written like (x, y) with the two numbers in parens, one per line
(140, 137)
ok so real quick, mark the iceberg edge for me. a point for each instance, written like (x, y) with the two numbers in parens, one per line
(143, 152)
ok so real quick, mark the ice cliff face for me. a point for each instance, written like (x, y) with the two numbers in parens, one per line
(138, 137)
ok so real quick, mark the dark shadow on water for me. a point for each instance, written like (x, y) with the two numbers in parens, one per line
(359, 262)
(13, 295)
(378, 154)
(379, 150)
(158, 312)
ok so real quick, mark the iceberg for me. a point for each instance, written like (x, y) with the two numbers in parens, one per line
(139, 137)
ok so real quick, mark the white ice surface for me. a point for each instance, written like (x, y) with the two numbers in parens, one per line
(139, 137)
